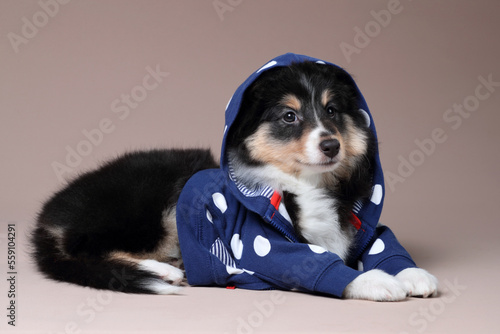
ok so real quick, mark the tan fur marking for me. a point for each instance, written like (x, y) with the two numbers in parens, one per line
(167, 251)
(353, 143)
(356, 139)
(326, 96)
(292, 102)
(126, 257)
(169, 246)
(58, 234)
(284, 156)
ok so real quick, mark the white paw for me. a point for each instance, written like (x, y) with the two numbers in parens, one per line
(166, 271)
(375, 285)
(161, 287)
(418, 282)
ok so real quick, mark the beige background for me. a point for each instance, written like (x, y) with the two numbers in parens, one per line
(67, 76)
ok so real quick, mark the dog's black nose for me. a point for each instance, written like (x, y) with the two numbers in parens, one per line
(330, 147)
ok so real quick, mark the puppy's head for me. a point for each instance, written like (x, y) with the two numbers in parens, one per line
(303, 119)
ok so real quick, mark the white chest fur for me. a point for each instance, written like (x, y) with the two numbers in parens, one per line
(319, 222)
(317, 218)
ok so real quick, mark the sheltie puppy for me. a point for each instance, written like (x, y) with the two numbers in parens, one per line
(298, 131)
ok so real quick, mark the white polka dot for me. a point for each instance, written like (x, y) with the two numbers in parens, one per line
(377, 194)
(367, 117)
(377, 247)
(233, 271)
(220, 201)
(270, 64)
(209, 217)
(225, 129)
(317, 249)
(284, 213)
(228, 102)
(237, 246)
(321, 62)
(360, 266)
(261, 246)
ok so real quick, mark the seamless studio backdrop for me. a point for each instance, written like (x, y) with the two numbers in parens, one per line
(84, 81)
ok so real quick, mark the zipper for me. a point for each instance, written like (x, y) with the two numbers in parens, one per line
(273, 218)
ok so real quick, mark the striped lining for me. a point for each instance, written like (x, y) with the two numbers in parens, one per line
(358, 205)
(220, 251)
(265, 191)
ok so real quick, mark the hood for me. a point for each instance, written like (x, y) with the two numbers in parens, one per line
(367, 210)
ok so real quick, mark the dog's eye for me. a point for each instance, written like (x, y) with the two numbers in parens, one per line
(331, 111)
(290, 117)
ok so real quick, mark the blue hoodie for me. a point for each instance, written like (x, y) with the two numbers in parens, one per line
(234, 236)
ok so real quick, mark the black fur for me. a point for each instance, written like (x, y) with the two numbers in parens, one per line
(117, 207)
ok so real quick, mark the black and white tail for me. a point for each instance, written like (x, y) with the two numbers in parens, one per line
(103, 272)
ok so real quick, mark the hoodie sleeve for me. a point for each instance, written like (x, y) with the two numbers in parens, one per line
(225, 244)
(386, 253)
